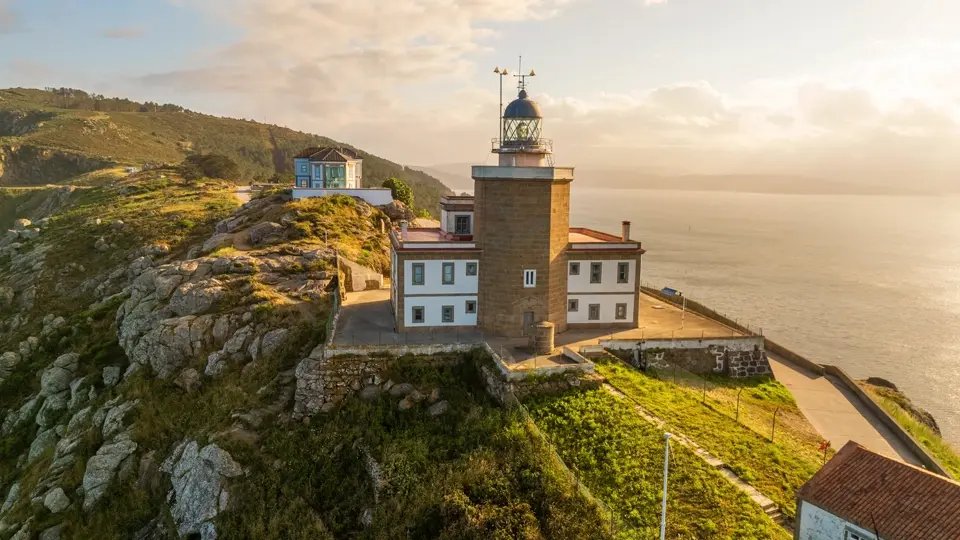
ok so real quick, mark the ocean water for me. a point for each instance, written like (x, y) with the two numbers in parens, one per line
(867, 283)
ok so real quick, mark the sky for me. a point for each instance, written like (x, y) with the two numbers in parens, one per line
(864, 91)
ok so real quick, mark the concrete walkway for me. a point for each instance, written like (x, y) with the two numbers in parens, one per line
(836, 413)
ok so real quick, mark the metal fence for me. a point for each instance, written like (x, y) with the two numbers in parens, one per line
(749, 402)
(694, 306)
(615, 523)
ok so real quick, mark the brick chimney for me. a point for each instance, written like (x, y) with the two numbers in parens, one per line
(625, 235)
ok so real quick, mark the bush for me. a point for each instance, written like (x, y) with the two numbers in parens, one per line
(210, 166)
(401, 191)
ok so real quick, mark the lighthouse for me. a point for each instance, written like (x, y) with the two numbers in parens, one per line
(522, 209)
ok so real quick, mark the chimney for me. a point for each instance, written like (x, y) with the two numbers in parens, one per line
(625, 236)
(403, 230)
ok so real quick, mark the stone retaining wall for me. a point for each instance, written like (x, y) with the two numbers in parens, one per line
(735, 357)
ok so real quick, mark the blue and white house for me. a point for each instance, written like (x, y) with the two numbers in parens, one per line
(326, 171)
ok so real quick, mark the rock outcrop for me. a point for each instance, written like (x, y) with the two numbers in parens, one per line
(199, 477)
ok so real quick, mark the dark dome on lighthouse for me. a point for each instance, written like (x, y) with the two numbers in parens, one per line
(522, 107)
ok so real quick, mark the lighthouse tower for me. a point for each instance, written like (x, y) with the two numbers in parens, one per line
(522, 215)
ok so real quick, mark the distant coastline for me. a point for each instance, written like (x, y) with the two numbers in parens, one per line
(457, 177)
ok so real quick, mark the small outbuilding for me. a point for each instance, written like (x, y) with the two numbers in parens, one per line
(861, 495)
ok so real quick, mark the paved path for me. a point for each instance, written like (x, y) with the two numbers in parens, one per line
(366, 318)
(243, 193)
(836, 412)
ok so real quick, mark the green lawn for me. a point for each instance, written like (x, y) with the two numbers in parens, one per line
(619, 456)
(776, 469)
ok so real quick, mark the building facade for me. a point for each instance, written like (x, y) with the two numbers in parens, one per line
(506, 258)
(319, 172)
(861, 495)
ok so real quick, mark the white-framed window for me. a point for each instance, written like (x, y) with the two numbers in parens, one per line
(418, 315)
(594, 312)
(529, 279)
(461, 225)
(851, 535)
(447, 314)
(303, 167)
(573, 305)
(574, 269)
(623, 272)
(621, 312)
(418, 274)
(471, 269)
(448, 272)
(596, 272)
(471, 306)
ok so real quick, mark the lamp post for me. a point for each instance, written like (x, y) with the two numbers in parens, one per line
(502, 73)
(666, 471)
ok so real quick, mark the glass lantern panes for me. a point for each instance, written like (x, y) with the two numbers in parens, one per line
(521, 131)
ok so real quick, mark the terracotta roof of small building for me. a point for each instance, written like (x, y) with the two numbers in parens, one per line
(897, 500)
(328, 153)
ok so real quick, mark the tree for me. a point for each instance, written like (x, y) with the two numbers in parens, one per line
(401, 192)
(211, 166)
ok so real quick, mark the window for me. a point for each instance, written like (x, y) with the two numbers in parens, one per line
(623, 272)
(471, 306)
(471, 269)
(529, 279)
(448, 273)
(447, 314)
(594, 314)
(462, 225)
(575, 269)
(303, 168)
(850, 535)
(418, 277)
(595, 272)
(418, 315)
(573, 305)
(621, 312)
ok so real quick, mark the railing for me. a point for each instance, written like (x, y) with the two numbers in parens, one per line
(522, 145)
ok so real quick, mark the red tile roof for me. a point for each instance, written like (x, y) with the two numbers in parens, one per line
(899, 501)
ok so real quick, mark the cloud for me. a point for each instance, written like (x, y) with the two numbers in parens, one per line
(126, 32)
(9, 19)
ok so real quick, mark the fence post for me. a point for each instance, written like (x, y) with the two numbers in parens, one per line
(738, 405)
(704, 390)
(773, 430)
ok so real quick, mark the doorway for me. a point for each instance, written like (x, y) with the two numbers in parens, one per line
(527, 323)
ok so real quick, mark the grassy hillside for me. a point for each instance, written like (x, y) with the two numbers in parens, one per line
(48, 138)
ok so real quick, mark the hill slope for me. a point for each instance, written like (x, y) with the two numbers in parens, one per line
(150, 334)
(52, 136)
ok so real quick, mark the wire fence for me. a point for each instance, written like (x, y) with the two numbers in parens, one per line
(616, 525)
(694, 306)
(756, 404)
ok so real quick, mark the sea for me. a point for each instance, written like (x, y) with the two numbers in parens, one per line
(867, 283)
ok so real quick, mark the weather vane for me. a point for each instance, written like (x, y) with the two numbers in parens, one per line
(522, 77)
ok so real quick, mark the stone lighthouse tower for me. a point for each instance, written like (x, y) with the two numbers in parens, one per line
(522, 213)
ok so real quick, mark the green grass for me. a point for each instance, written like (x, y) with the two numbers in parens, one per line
(619, 456)
(946, 454)
(776, 469)
(475, 473)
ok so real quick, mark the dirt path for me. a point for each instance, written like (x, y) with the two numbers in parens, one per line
(836, 413)
(243, 194)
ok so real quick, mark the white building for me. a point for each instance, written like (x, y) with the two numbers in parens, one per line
(319, 172)
(861, 495)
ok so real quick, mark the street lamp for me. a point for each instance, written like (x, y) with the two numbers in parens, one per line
(666, 472)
